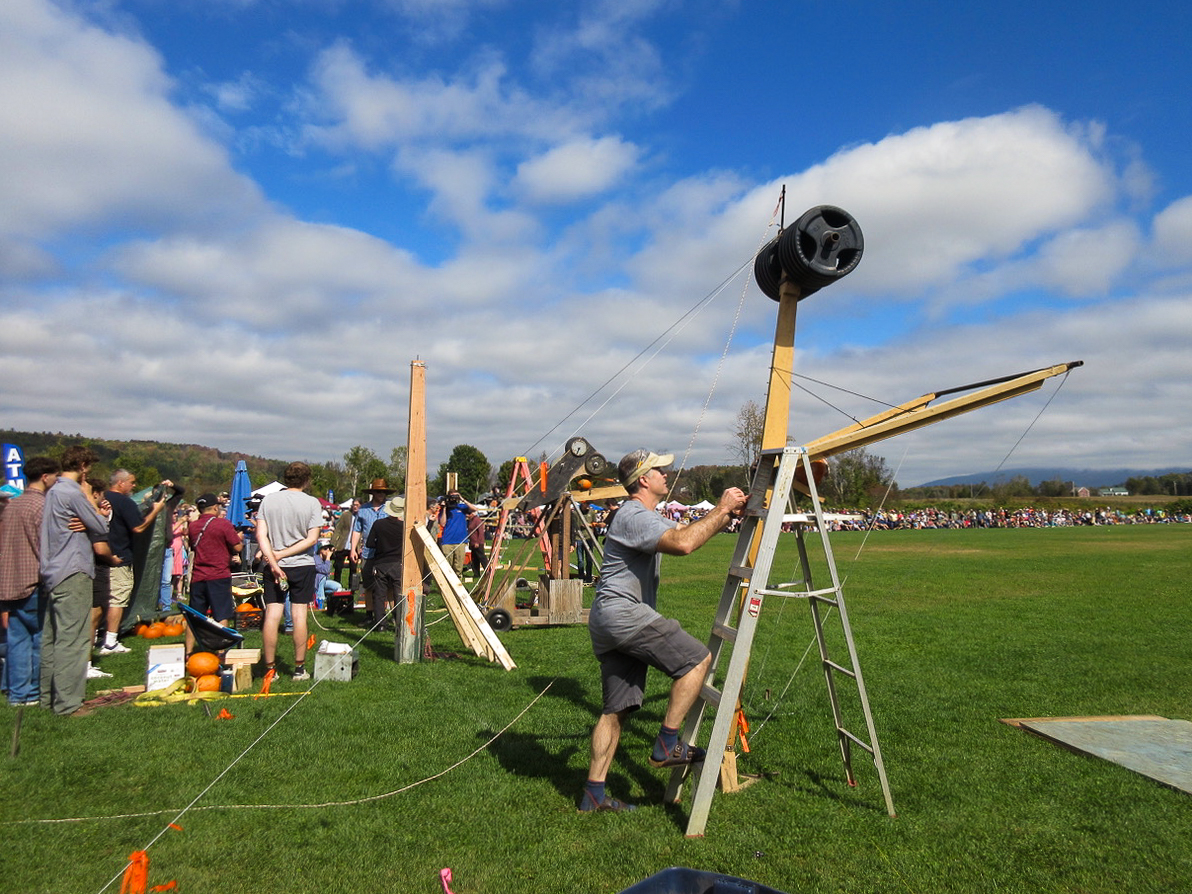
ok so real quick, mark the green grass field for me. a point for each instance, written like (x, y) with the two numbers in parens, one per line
(377, 784)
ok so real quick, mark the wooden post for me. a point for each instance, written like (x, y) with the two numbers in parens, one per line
(782, 368)
(775, 431)
(407, 647)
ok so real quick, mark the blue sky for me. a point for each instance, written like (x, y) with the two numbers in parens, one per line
(237, 222)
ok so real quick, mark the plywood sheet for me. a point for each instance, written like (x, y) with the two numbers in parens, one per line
(1153, 746)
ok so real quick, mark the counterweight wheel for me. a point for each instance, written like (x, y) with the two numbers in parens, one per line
(822, 246)
(767, 270)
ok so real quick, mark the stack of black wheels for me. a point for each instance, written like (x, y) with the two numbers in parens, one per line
(822, 246)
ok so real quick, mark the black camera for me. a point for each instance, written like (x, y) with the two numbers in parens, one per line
(453, 500)
(159, 492)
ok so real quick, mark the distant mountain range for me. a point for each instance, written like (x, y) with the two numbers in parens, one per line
(1080, 477)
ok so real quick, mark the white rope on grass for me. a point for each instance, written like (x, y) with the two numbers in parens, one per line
(348, 803)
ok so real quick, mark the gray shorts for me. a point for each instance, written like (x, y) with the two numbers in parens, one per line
(662, 644)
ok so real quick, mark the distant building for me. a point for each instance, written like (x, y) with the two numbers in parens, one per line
(1083, 492)
(1114, 492)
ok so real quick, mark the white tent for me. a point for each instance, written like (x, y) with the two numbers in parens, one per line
(269, 488)
(704, 505)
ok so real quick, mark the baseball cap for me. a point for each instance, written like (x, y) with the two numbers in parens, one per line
(636, 464)
(206, 501)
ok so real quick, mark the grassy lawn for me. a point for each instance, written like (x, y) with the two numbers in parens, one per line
(377, 784)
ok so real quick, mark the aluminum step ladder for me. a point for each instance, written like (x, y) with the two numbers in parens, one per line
(745, 590)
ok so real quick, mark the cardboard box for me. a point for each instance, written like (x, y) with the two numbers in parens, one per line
(335, 661)
(167, 664)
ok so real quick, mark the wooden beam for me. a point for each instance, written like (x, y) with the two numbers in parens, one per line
(473, 627)
(918, 412)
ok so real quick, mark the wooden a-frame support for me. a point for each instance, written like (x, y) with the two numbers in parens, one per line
(906, 417)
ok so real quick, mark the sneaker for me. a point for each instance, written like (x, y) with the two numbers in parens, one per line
(680, 755)
(587, 804)
(94, 673)
(300, 675)
(117, 648)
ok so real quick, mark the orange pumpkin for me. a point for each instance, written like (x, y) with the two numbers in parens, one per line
(140, 629)
(202, 663)
(207, 683)
(173, 630)
(246, 607)
(154, 630)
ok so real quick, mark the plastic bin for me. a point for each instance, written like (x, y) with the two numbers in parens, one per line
(678, 880)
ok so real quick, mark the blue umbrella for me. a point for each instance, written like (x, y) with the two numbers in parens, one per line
(240, 492)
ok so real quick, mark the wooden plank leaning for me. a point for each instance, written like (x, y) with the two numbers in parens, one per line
(473, 627)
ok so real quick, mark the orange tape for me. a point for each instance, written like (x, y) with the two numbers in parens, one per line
(136, 874)
(411, 599)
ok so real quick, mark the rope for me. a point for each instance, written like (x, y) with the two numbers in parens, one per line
(720, 364)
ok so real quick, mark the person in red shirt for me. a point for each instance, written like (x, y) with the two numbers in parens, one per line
(215, 543)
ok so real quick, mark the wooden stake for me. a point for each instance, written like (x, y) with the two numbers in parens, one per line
(413, 569)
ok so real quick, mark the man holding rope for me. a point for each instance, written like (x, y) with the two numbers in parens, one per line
(629, 635)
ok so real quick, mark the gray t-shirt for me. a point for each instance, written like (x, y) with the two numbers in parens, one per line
(628, 588)
(289, 515)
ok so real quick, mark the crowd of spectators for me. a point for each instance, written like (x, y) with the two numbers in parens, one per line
(1024, 517)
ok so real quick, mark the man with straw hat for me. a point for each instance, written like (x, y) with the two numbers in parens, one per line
(369, 513)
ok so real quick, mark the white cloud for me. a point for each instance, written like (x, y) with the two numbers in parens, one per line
(1173, 234)
(935, 200)
(574, 170)
(377, 111)
(1089, 261)
(89, 138)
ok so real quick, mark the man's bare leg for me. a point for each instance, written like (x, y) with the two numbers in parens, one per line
(684, 692)
(605, 737)
(274, 612)
(298, 615)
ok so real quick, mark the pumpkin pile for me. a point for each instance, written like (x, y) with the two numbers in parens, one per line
(159, 629)
(203, 669)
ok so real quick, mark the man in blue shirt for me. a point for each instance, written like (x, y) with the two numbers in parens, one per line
(453, 529)
(369, 513)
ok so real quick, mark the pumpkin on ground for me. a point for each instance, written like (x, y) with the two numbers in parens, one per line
(207, 683)
(202, 663)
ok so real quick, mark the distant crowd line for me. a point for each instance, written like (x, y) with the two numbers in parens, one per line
(1025, 517)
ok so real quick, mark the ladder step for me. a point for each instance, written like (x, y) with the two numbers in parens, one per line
(855, 740)
(784, 590)
(740, 572)
(724, 632)
(843, 670)
(711, 695)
